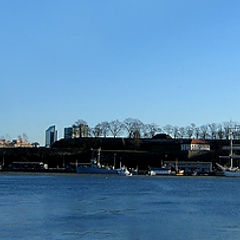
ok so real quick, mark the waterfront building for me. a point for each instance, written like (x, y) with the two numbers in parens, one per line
(195, 145)
(51, 136)
(4, 143)
(20, 143)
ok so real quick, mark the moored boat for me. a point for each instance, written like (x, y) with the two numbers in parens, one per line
(94, 168)
(231, 171)
(123, 171)
(180, 173)
(159, 171)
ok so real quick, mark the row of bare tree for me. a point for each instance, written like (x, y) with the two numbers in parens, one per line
(134, 128)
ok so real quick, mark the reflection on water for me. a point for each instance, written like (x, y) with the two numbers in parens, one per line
(95, 207)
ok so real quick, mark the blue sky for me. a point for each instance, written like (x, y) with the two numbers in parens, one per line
(168, 61)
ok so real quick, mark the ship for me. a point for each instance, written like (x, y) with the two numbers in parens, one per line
(95, 167)
(231, 171)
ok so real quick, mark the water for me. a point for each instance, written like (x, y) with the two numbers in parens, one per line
(73, 207)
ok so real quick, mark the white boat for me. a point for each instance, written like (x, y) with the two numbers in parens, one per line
(94, 167)
(159, 171)
(180, 173)
(230, 171)
(123, 171)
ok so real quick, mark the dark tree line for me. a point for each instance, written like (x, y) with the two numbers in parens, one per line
(134, 128)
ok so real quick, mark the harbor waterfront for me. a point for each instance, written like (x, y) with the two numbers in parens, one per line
(73, 206)
(139, 156)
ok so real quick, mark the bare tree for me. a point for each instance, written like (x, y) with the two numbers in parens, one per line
(220, 131)
(97, 130)
(149, 130)
(132, 125)
(175, 132)
(182, 132)
(168, 129)
(226, 126)
(197, 132)
(213, 130)
(104, 126)
(204, 131)
(80, 121)
(190, 130)
(128, 122)
(115, 127)
(136, 135)
(145, 131)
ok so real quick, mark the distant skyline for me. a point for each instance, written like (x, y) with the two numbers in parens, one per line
(167, 62)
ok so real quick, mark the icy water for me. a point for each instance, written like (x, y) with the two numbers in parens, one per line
(40, 207)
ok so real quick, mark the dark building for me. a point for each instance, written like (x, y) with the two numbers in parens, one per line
(51, 136)
(68, 133)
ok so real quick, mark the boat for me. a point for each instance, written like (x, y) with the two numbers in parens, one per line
(167, 169)
(95, 167)
(123, 171)
(159, 171)
(133, 171)
(230, 171)
(180, 173)
(194, 173)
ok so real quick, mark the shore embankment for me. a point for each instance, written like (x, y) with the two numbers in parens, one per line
(64, 155)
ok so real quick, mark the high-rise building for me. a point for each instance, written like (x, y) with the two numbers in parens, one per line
(79, 131)
(51, 136)
(68, 133)
(76, 131)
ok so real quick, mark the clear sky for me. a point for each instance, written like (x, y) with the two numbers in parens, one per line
(162, 61)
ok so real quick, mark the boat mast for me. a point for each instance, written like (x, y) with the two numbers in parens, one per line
(99, 155)
(3, 161)
(114, 160)
(231, 146)
(176, 167)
